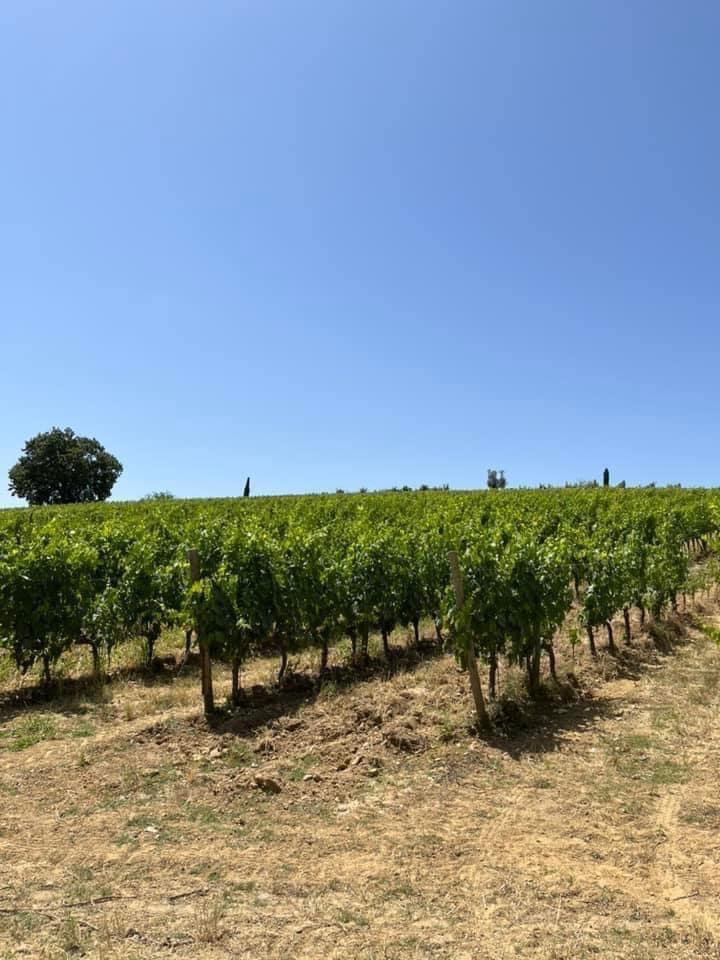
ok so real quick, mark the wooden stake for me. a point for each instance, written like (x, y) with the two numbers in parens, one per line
(206, 683)
(475, 685)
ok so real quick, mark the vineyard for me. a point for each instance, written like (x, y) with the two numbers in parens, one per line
(440, 726)
(294, 573)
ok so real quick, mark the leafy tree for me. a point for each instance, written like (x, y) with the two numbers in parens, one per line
(157, 495)
(60, 467)
(496, 480)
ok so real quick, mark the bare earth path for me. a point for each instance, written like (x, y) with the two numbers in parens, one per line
(394, 833)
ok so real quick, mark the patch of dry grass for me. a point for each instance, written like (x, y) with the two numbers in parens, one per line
(132, 829)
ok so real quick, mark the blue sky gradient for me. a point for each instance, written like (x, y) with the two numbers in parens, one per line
(343, 244)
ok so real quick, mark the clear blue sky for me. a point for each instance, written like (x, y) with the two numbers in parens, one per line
(343, 244)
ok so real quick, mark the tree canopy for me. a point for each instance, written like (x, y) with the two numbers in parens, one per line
(59, 466)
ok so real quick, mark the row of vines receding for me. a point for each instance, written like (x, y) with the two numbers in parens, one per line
(305, 572)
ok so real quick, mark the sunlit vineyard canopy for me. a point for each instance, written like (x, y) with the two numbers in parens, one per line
(304, 571)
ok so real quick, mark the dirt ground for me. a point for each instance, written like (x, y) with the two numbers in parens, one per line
(366, 820)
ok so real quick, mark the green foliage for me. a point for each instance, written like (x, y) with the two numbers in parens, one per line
(302, 572)
(149, 591)
(496, 480)
(667, 568)
(516, 594)
(60, 467)
(42, 585)
(234, 604)
(712, 633)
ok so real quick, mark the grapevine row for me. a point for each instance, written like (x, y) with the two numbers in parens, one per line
(305, 572)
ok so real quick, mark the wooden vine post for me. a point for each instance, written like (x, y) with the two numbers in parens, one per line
(467, 640)
(205, 662)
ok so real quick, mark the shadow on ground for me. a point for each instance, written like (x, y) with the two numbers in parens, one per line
(75, 696)
(259, 705)
(522, 726)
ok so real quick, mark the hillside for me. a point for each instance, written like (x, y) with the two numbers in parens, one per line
(367, 820)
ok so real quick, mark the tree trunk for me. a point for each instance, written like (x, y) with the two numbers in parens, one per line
(642, 615)
(206, 684)
(386, 645)
(186, 656)
(611, 638)
(149, 651)
(46, 669)
(283, 661)
(492, 679)
(591, 638)
(364, 641)
(438, 631)
(469, 645)
(416, 630)
(235, 693)
(548, 648)
(352, 633)
(324, 656)
(626, 618)
(96, 659)
(533, 671)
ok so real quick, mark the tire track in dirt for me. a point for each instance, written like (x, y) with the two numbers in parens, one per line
(555, 852)
(680, 866)
(681, 894)
(537, 846)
